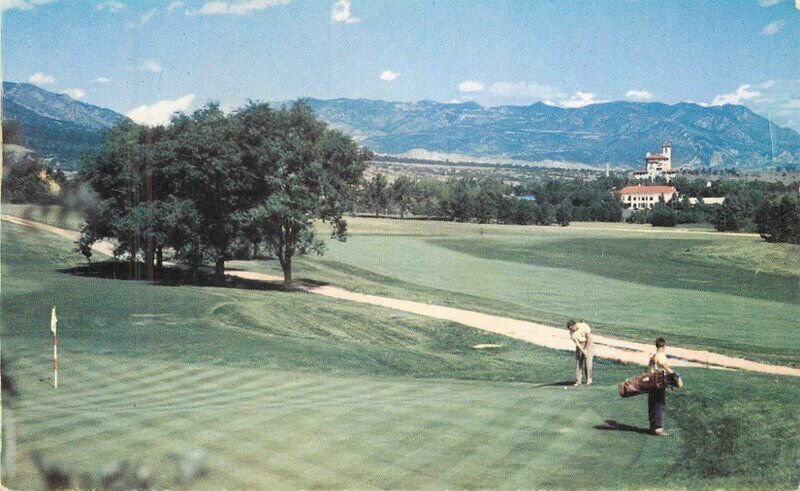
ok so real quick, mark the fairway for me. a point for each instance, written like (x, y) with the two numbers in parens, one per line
(730, 294)
(297, 390)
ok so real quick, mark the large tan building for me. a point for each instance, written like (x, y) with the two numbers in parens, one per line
(657, 164)
(645, 197)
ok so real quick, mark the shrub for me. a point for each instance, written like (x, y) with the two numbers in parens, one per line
(663, 216)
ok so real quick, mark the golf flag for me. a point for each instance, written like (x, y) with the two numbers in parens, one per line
(53, 322)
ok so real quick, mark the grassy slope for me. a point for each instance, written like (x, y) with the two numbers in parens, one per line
(730, 294)
(53, 215)
(294, 390)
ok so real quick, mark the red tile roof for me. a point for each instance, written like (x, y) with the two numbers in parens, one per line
(647, 190)
(656, 156)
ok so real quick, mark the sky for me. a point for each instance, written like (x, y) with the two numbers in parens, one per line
(148, 58)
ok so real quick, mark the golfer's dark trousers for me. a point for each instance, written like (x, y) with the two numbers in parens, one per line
(656, 407)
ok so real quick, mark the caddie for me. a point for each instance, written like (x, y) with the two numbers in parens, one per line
(581, 335)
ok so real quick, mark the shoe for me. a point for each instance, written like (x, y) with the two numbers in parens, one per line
(576, 384)
(589, 382)
(659, 432)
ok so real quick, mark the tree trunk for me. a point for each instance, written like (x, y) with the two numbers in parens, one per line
(160, 261)
(255, 250)
(195, 262)
(149, 260)
(286, 264)
(219, 271)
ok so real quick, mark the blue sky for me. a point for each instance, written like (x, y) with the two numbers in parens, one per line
(147, 58)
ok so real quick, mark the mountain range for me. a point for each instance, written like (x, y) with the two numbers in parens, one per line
(55, 124)
(617, 133)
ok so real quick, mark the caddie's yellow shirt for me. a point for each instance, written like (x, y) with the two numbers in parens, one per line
(659, 362)
(581, 333)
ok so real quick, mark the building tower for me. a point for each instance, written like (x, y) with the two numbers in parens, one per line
(666, 151)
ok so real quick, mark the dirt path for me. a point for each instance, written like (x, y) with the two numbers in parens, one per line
(539, 334)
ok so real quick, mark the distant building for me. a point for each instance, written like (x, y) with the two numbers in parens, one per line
(645, 197)
(707, 201)
(657, 164)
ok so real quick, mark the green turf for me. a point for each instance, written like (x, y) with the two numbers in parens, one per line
(54, 215)
(730, 294)
(296, 390)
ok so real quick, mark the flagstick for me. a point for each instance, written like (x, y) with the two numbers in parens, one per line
(55, 361)
(53, 327)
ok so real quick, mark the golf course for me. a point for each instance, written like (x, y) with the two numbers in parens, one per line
(294, 390)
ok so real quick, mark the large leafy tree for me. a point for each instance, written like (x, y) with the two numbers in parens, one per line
(307, 172)
(126, 175)
(214, 181)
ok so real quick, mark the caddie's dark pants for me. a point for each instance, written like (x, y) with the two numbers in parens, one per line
(656, 407)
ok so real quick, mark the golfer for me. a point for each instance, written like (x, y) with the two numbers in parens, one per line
(581, 335)
(656, 399)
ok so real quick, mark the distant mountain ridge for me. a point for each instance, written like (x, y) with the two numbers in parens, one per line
(55, 124)
(619, 133)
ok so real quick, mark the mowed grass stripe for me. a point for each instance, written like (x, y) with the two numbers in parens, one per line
(413, 407)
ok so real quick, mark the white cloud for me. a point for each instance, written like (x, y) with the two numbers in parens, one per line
(147, 16)
(470, 86)
(524, 90)
(388, 75)
(777, 100)
(111, 6)
(40, 78)
(21, 4)
(150, 66)
(159, 113)
(238, 7)
(773, 27)
(768, 3)
(578, 99)
(144, 19)
(639, 95)
(741, 94)
(74, 93)
(341, 13)
(102, 80)
(174, 6)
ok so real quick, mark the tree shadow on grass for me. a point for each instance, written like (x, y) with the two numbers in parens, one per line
(177, 276)
(614, 425)
(565, 383)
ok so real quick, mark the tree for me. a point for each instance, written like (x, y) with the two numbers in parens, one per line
(376, 193)
(728, 217)
(129, 175)
(662, 216)
(428, 198)
(28, 182)
(403, 193)
(778, 220)
(564, 213)
(310, 173)
(211, 172)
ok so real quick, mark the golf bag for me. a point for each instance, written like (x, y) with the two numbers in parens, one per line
(648, 382)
